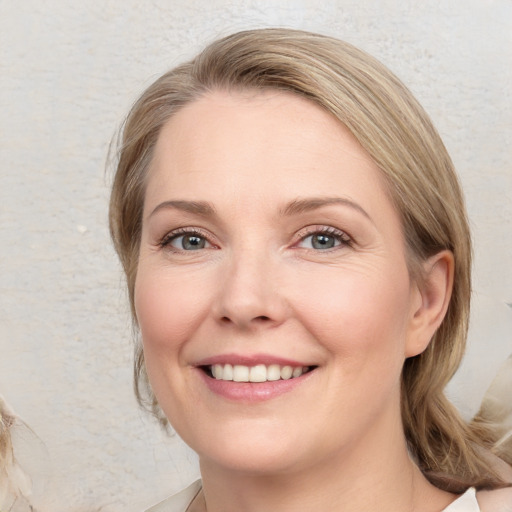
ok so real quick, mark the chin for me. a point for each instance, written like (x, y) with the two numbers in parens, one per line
(253, 462)
(250, 450)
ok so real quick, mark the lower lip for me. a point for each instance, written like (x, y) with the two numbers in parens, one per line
(252, 391)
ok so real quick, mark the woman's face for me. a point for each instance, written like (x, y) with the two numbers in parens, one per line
(270, 247)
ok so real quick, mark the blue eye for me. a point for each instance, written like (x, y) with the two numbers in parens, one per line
(186, 242)
(189, 242)
(323, 240)
(320, 241)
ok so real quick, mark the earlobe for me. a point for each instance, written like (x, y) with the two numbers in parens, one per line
(433, 291)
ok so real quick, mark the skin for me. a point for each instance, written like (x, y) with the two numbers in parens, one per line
(261, 162)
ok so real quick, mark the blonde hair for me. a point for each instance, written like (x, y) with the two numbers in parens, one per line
(15, 485)
(397, 133)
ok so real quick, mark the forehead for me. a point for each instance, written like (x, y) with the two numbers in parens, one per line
(256, 143)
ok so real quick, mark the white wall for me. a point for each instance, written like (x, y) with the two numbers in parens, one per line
(68, 73)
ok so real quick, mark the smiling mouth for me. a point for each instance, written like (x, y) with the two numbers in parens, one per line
(255, 374)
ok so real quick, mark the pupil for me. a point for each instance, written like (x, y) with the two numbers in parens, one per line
(323, 242)
(193, 242)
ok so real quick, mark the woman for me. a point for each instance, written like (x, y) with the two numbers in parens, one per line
(298, 264)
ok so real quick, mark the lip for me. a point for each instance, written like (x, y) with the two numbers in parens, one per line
(250, 392)
(250, 360)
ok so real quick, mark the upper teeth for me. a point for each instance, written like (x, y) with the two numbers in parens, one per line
(258, 373)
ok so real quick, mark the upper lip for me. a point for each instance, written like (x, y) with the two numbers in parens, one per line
(250, 360)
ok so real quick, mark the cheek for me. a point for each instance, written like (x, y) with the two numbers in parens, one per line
(361, 313)
(168, 309)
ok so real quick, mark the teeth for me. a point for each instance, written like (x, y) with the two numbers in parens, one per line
(216, 371)
(274, 372)
(258, 373)
(286, 372)
(240, 374)
(227, 373)
(297, 372)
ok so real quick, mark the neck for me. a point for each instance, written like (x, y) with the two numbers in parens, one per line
(383, 478)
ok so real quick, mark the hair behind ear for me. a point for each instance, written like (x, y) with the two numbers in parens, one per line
(452, 454)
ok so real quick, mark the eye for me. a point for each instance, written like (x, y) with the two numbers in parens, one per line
(320, 241)
(189, 242)
(324, 239)
(186, 241)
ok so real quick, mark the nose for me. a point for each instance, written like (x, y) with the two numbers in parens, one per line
(250, 294)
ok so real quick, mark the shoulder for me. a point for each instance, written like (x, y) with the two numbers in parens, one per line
(499, 500)
(178, 502)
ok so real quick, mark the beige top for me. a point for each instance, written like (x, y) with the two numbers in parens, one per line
(498, 501)
(178, 502)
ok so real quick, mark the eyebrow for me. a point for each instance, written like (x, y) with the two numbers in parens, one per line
(298, 206)
(314, 203)
(201, 208)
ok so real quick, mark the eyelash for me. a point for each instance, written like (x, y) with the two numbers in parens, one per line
(340, 236)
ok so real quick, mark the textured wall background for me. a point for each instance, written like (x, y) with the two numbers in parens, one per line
(68, 73)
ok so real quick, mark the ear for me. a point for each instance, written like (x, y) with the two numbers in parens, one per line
(431, 297)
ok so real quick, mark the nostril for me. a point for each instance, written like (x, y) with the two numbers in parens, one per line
(261, 318)
(257, 319)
